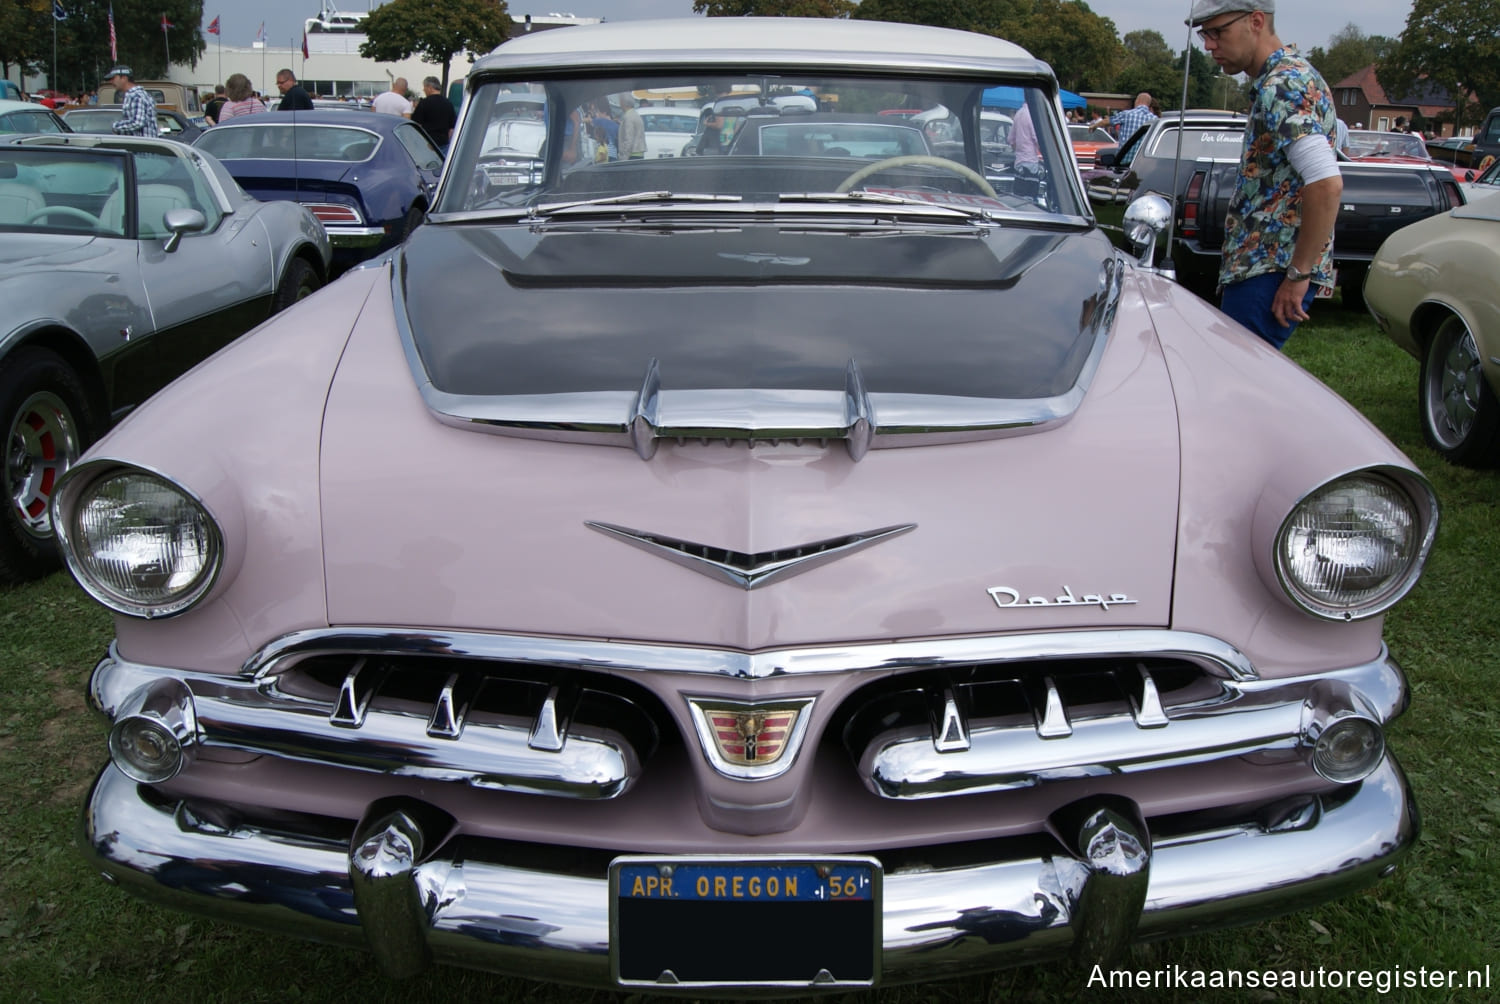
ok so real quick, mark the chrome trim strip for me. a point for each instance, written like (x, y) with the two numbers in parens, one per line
(864, 420)
(1280, 720)
(486, 914)
(256, 716)
(749, 570)
(1215, 656)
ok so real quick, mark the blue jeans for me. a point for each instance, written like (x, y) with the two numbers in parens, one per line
(1249, 302)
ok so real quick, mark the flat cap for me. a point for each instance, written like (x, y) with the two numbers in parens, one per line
(120, 71)
(1207, 10)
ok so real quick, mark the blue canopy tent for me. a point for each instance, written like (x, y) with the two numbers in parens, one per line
(1010, 97)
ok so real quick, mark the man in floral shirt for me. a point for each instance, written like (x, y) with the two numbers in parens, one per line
(1278, 241)
(138, 111)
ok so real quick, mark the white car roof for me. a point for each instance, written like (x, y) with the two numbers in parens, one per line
(751, 41)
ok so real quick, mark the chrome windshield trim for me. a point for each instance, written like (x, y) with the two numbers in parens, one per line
(863, 420)
(1216, 657)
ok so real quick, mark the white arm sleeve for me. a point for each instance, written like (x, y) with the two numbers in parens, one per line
(1313, 158)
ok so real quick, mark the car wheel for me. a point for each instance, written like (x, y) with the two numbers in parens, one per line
(1460, 415)
(414, 217)
(1352, 290)
(300, 282)
(47, 425)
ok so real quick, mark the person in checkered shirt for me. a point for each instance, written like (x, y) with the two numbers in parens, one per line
(1127, 122)
(138, 110)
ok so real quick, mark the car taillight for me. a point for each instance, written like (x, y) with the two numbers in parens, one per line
(332, 212)
(1454, 193)
(1190, 205)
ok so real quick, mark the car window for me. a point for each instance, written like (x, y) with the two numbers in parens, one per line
(1198, 142)
(670, 122)
(281, 140)
(165, 181)
(419, 146)
(40, 120)
(61, 191)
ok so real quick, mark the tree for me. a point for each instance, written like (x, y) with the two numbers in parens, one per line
(25, 35)
(438, 31)
(774, 8)
(1349, 51)
(990, 17)
(1149, 66)
(83, 38)
(1450, 43)
(1082, 48)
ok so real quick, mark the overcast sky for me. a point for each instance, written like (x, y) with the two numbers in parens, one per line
(1307, 25)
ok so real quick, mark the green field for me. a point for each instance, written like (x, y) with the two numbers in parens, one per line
(66, 936)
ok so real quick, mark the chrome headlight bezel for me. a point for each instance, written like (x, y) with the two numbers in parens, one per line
(73, 493)
(1421, 509)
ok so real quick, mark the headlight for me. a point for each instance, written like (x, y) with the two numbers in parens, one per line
(136, 542)
(1354, 546)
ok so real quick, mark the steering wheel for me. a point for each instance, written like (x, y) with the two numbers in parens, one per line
(910, 160)
(73, 211)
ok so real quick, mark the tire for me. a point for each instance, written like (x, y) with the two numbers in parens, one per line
(47, 426)
(1460, 414)
(414, 217)
(300, 282)
(1352, 290)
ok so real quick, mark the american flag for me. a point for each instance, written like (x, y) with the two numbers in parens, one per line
(213, 26)
(260, 36)
(112, 53)
(304, 45)
(165, 24)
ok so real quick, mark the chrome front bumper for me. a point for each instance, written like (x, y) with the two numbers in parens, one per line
(393, 886)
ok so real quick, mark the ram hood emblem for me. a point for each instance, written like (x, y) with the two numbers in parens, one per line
(749, 570)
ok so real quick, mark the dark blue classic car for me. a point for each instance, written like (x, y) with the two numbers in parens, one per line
(366, 176)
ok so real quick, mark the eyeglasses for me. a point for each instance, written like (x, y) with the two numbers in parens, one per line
(1212, 34)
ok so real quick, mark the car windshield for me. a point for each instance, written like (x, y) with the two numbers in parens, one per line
(1366, 143)
(1085, 134)
(44, 190)
(687, 138)
(283, 140)
(96, 120)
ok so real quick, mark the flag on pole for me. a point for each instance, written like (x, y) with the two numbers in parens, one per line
(304, 45)
(57, 11)
(260, 36)
(165, 24)
(113, 55)
(213, 26)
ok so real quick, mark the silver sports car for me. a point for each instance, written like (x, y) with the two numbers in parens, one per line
(123, 262)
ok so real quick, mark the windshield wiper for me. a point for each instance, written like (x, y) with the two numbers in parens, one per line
(560, 208)
(891, 199)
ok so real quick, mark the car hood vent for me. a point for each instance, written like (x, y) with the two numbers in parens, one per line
(751, 333)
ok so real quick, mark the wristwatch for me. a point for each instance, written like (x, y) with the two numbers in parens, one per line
(1295, 276)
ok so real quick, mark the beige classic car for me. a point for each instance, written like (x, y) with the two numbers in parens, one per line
(1432, 289)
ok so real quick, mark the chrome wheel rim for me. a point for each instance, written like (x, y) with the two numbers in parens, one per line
(1455, 378)
(42, 443)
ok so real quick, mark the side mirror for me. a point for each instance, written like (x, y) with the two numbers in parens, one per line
(1146, 219)
(1106, 158)
(182, 221)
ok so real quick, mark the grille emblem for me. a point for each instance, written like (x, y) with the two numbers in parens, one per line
(750, 741)
(749, 570)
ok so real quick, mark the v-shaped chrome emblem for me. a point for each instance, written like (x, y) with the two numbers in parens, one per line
(749, 571)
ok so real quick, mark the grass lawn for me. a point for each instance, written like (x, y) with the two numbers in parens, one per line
(66, 936)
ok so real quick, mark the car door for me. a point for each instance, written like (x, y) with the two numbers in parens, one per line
(217, 283)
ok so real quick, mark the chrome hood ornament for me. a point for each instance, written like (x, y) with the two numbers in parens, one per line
(749, 570)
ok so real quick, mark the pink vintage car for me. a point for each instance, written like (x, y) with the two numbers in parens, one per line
(852, 548)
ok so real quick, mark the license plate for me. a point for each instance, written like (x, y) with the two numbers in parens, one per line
(745, 922)
(1325, 292)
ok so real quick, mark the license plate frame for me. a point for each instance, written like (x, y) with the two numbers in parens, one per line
(1326, 292)
(695, 935)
